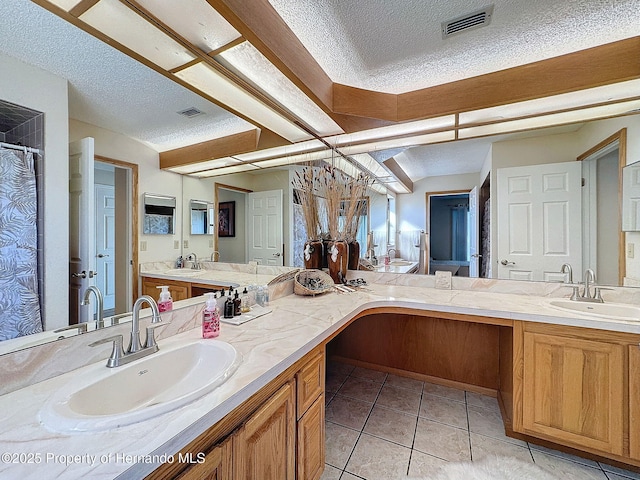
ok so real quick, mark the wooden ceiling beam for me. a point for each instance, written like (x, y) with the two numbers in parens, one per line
(236, 144)
(603, 65)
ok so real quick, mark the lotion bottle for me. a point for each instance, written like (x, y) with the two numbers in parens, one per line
(237, 304)
(165, 304)
(229, 307)
(210, 317)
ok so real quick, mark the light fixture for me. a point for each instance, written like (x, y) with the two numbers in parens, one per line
(200, 166)
(203, 27)
(119, 22)
(283, 151)
(554, 103)
(206, 79)
(554, 119)
(401, 129)
(400, 142)
(243, 167)
(247, 61)
(66, 5)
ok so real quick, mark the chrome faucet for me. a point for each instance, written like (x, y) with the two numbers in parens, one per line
(194, 257)
(135, 350)
(99, 304)
(585, 296)
(215, 254)
(395, 252)
(566, 268)
(589, 276)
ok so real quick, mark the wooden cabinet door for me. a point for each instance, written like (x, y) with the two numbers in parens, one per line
(264, 447)
(216, 465)
(573, 391)
(311, 442)
(178, 290)
(634, 401)
(310, 383)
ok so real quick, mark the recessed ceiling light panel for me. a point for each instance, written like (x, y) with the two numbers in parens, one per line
(131, 30)
(65, 4)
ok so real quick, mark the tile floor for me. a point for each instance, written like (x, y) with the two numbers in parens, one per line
(381, 426)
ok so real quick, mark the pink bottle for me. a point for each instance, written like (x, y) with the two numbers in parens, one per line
(211, 317)
(165, 304)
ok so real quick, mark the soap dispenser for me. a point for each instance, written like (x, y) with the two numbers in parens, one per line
(245, 304)
(237, 304)
(165, 304)
(210, 317)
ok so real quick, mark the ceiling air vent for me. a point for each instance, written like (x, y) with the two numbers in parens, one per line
(470, 21)
(191, 112)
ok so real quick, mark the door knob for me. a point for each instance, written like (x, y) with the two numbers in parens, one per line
(506, 262)
(82, 274)
(476, 255)
(102, 255)
(277, 254)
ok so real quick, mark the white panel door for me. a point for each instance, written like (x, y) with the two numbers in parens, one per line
(82, 259)
(264, 228)
(539, 221)
(105, 243)
(631, 198)
(474, 234)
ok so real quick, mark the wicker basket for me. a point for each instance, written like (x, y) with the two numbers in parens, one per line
(323, 282)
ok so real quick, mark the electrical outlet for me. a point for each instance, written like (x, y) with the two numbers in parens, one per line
(176, 244)
(143, 246)
(630, 250)
(185, 244)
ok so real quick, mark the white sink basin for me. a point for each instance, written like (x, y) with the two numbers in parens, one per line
(102, 398)
(183, 272)
(614, 311)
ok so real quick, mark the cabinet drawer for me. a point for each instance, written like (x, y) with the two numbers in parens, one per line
(311, 454)
(310, 383)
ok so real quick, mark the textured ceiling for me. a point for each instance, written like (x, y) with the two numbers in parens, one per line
(396, 45)
(106, 87)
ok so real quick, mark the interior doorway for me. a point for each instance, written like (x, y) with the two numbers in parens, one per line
(452, 230)
(230, 245)
(116, 227)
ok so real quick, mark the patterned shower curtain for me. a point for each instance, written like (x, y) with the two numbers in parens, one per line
(19, 305)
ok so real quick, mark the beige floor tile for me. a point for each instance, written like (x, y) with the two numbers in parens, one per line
(348, 412)
(488, 422)
(404, 382)
(391, 425)
(333, 381)
(613, 476)
(442, 391)
(566, 469)
(443, 441)
(482, 447)
(369, 374)
(619, 472)
(339, 367)
(361, 389)
(566, 456)
(482, 401)
(377, 459)
(400, 399)
(444, 410)
(339, 443)
(348, 476)
(330, 473)
(423, 465)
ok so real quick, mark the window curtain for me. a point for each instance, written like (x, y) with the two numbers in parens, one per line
(19, 304)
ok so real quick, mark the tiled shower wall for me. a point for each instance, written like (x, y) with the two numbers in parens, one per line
(24, 126)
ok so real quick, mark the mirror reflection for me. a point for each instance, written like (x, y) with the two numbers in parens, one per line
(62, 117)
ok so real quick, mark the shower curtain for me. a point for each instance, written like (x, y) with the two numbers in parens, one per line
(19, 304)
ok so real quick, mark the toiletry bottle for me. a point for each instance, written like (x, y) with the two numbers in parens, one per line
(245, 303)
(228, 306)
(165, 304)
(237, 304)
(265, 296)
(210, 317)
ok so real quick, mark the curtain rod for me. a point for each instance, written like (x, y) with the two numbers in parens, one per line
(20, 147)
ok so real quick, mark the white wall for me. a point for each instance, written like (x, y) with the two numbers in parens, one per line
(233, 249)
(34, 88)
(150, 180)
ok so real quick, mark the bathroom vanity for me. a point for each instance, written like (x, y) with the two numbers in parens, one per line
(563, 379)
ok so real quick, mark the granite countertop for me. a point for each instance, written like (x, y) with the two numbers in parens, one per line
(269, 345)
